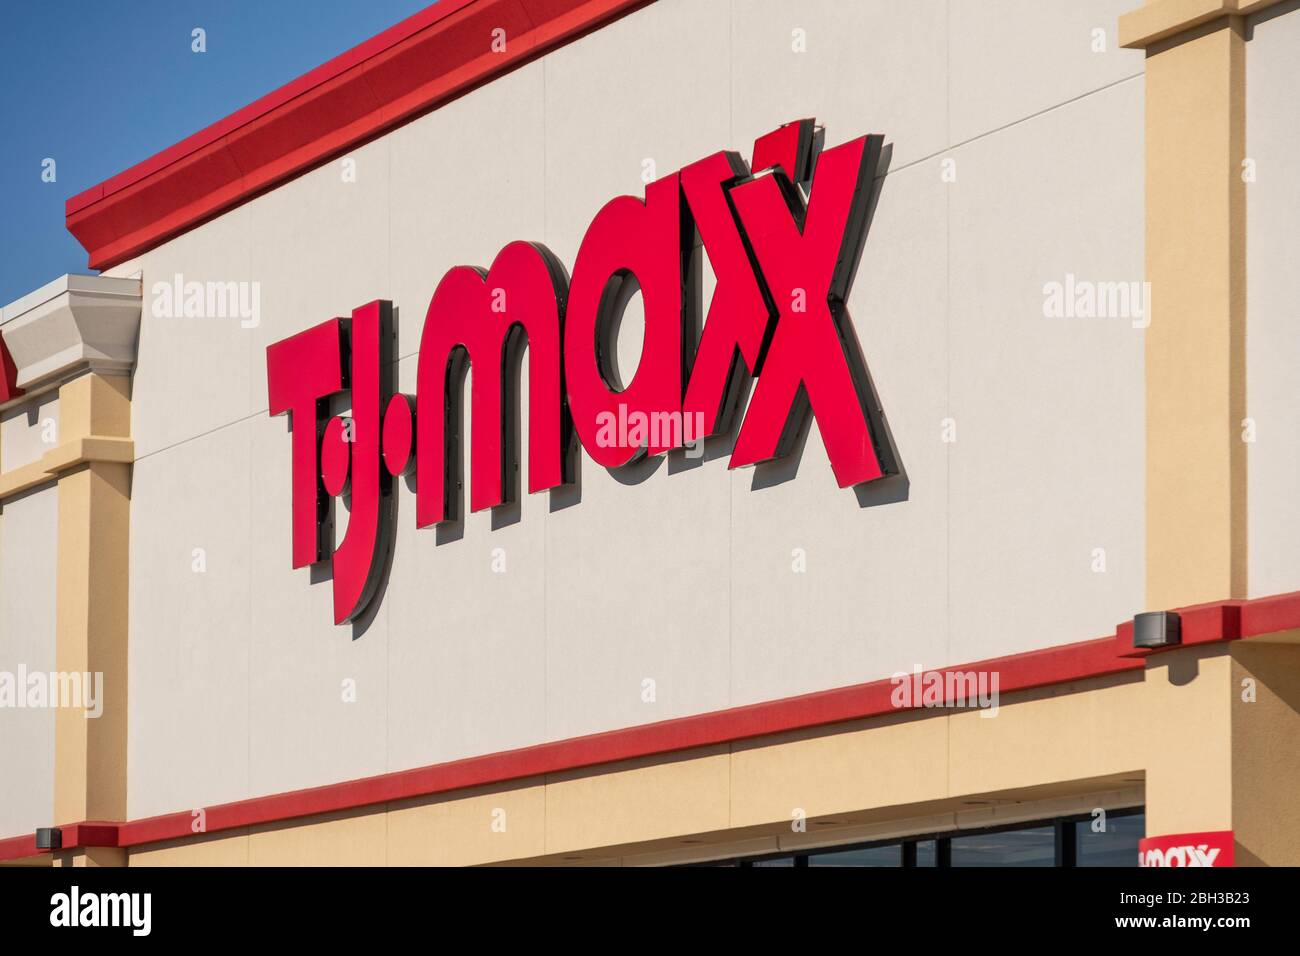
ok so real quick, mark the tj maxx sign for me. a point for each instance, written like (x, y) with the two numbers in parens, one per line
(783, 269)
(1213, 848)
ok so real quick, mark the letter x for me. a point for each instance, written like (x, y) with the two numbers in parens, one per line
(807, 265)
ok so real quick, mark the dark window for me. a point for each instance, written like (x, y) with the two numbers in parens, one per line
(927, 853)
(890, 855)
(1033, 847)
(1116, 845)
(1063, 841)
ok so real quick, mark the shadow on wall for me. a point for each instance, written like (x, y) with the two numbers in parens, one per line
(1270, 13)
(1265, 764)
(890, 489)
(894, 487)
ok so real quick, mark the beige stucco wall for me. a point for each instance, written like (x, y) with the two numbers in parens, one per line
(1266, 750)
(685, 577)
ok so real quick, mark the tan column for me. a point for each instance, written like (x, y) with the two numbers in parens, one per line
(1196, 265)
(1266, 750)
(1221, 769)
(94, 520)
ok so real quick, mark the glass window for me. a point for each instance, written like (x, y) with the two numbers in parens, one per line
(927, 853)
(1117, 845)
(1032, 847)
(862, 856)
(1028, 845)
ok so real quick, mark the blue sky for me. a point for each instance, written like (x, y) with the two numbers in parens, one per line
(98, 86)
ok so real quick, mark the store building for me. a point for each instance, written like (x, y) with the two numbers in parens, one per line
(1016, 276)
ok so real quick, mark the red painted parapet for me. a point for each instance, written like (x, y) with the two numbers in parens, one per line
(413, 67)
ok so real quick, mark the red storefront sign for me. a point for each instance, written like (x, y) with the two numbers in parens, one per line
(783, 266)
(1212, 848)
(8, 374)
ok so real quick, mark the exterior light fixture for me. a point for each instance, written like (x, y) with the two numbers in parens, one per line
(1157, 629)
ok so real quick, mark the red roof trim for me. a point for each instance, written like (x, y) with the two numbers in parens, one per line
(407, 70)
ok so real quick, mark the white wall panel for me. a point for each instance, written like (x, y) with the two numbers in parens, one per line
(29, 554)
(1272, 294)
(677, 572)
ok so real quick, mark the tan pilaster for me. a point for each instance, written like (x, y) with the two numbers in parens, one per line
(1222, 767)
(76, 337)
(91, 627)
(1196, 266)
(1266, 750)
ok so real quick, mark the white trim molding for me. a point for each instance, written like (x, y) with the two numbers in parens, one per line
(73, 324)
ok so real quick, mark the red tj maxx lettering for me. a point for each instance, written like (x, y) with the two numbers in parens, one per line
(1211, 848)
(783, 267)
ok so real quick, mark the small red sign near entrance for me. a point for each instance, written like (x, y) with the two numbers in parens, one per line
(782, 236)
(1212, 848)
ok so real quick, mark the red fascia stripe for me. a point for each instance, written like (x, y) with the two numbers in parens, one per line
(1019, 672)
(409, 69)
(1270, 615)
(19, 847)
(1206, 623)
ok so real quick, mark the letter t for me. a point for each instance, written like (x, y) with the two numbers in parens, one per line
(301, 372)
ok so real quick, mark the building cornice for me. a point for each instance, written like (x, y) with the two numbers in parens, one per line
(1162, 20)
(102, 449)
(73, 324)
